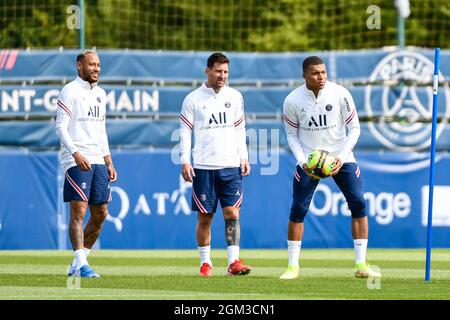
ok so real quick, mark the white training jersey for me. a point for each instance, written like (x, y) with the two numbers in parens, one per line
(217, 120)
(80, 123)
(321, 123)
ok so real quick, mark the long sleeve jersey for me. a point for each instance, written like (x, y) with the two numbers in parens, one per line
(321, 123)
(80, 123)
(218, 123)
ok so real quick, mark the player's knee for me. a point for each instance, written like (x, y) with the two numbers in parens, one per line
(102, 212)
(297, 215)
(231, 213)
(98, 216)
(76, 219)
(77, 211)
(232, 216)
(204, 220)
(204, 223)
(102, 215)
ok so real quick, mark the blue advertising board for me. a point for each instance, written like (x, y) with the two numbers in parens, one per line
(391, 88)
(151, 203)
(183, 66)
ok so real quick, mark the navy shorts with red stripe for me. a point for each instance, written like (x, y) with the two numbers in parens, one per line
(211, 186)
(347, 179)
(90, 186)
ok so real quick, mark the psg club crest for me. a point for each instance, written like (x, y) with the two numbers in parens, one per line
(99, 100)
(203, 197)
(403, 103)
(227, 104)
(328, 107)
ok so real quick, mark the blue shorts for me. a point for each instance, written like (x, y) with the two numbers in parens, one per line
(89, 186)
(211, 185)
(347, 179)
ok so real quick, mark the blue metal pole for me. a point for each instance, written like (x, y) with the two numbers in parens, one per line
(81, 31)
(432, 159)
(400, 31)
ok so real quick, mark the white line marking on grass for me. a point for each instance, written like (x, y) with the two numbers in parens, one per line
(80, 294)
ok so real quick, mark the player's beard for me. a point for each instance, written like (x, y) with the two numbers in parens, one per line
(218, 85)
(88, 76)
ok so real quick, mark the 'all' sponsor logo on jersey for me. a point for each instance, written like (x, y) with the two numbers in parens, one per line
(94, 112)
(319, 121)
(219, 119)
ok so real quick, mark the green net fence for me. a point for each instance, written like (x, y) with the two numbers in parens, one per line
(229, 25)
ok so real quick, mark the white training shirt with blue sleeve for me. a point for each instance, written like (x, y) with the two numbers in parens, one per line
(80, 123)
(321, 123)
(218, 123)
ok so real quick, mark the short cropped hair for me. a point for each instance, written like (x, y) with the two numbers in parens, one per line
(311, 61)
(217, 57)
(81, 56)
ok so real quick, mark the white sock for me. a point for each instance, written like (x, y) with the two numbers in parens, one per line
(205, 255)
(360, 246)
(86, 254)
(80, 258)
(294, 252)
(233, 254)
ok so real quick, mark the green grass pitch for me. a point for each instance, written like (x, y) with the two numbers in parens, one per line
(173, 275)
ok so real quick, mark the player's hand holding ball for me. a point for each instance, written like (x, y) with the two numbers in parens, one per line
(309, 172)
(337, 166)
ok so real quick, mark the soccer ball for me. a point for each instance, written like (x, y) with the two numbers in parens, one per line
(320, 163)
